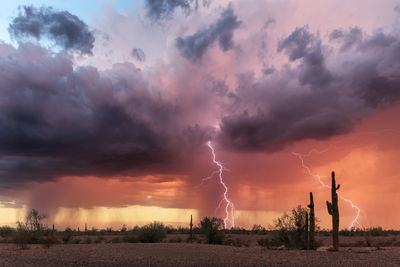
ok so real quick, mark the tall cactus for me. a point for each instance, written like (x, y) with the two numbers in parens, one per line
(191, 227)
(312, 223)
(306, 233)
(333, 210)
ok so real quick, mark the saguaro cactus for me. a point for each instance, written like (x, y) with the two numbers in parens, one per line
(191, 227)
(306, 232)
(312, 222)
(333, 210)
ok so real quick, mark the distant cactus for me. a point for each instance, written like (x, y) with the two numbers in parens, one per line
(191, 227)
(312, 223)
(333, 210)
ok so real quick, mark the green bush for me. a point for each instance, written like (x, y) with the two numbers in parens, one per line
(152, 233)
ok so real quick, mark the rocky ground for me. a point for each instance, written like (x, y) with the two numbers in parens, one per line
(183, 254)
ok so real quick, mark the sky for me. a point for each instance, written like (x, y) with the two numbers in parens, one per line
(111, 111)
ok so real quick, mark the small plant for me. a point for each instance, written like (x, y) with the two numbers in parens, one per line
(67, 235)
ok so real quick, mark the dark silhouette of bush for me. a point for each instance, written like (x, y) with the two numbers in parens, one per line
(258, 229)
(292, 228)
(130, 238)
(152, 233)
(30, 231)
(270, 242)
(22, 236)
(50, 239)
(6, 231)
(212, 229)
(67, 235)
(237, 242)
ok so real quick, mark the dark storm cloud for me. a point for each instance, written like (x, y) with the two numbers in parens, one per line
(66, 30)
(57, 121)
(138, 54)
(270, 113)
(301, 44)
(348, 39)
(161, 9)
(193, 47)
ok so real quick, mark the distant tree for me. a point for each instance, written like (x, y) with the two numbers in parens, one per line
(34, 221)
(212, 228)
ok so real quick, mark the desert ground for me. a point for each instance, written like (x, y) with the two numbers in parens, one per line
(195, 254)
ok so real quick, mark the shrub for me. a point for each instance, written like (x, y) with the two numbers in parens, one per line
(270, 243)
(233, 242)
(49, 240)
(130, 238)
(212, 229)
(21, 236)
(376, 231)
(152, 233)
(67, 235)
(291, 228)
(258, 229)
(6, 231)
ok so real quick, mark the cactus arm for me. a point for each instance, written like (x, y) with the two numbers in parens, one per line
(330, 209)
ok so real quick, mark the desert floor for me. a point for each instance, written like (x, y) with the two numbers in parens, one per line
(183, 254)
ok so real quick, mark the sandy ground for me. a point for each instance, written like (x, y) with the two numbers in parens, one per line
(170, 254)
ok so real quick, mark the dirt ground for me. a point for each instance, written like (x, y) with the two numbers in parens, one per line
(183, 254)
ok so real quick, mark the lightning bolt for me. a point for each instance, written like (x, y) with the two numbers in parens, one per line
(318, 178)
(229, 207)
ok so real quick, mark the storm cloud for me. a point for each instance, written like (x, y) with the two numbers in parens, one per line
(59, 121)
(61, 27)
(193, 47)
(312, 99)
(163, 9)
